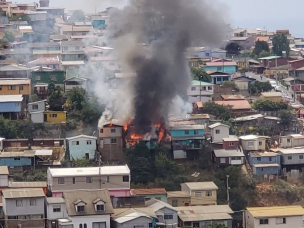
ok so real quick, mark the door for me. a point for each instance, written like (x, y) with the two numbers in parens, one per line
(45, 117)
(99, 225)
(87, 156)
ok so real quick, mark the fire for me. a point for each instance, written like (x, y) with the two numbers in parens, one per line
(157, 125)
(161, 134)
(111, 123)
(126, 125)
(136, 137)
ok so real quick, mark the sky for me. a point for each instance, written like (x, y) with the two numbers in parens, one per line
(268, 14)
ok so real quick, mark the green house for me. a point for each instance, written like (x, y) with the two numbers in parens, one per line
(45, 77)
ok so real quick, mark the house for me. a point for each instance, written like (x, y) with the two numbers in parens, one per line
(128, 201)
(201, 193)
(166, 214)
(71, 30)
(237, 106)
(243, 82)
(200, 91)
(33, 108)
(178, 198)
(219, 77)
(4, 176)
(46, 54)
(262, 38)
(54, 116)
(272, 96)
(14, 71)
(81, 146)
(44, 3)
(265, 163)
(74, 82)
(187, 140)
(270, 217)
(29, 185)
(15, 87)
(23, 207)
(68, 65)
(254, 142)
(72, 45)
(51, 62)
(232, 97)
(55, 209)
(17, 159)
(110, 140)
(43, 76)
(290, 141)
(151, 193)
(11, 106)
(53, 12)
(20, 55)
(228, 67)
(44, 46)
(204, 216)
(218, 132)
(107, 62)
(246, 41)
(128, 218)
(199, 118)
(223, 157)
(37, 16)
(87, 208)
(114, 178)
(58, 38)
(206, 53)
(231, 143)
(291, 158)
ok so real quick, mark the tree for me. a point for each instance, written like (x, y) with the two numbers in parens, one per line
(220, 111)
(280, 43)
(7, 130)
(20, 17)
(264, 54)
(268, 105)
(82, 162)
(200, 74)
(55, 97)
(9, 36)
(233, 48)
(3, 43)
(78, 15)
(286, 117)
(259, 47)
(259, 87)
(230, 84)
(76, 99)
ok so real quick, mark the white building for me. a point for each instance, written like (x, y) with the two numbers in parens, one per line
(200, 91)
(4, 176)
(273, 217)
(218, 132)
(253, 142)
(35, 110)
(55, 209)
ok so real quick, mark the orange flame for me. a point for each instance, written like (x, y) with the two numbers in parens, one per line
(111, 123)
(161, 134)
(126, 125)
(136, 137)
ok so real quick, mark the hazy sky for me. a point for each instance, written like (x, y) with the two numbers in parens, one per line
(269, 14)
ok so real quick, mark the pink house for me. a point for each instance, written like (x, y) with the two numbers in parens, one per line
(114, 178)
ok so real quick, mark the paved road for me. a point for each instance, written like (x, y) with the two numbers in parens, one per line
(285, 92)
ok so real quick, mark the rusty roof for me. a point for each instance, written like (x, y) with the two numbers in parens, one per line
(235, 104)
(148, 191)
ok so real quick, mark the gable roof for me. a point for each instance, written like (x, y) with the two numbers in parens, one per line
(235, 104)
(260, 212)
(217, 124)
(81, 136)
(14, 67)
(148, 191)
(262, 38)
(207, 185)
(22, 193)
(11, 98)
(87, 196)
(228, 153)
(156, 205)
(221, 64)
(122, 215)
(4, 170)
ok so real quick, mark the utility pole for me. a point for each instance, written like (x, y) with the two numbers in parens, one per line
(200, 78)
(227, 176)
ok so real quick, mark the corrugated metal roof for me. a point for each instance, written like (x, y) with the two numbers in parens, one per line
(222, 153)
(71, 63)
(81, 136)
(148, 191)
(11, 98)
(54, 200)
(208, 185)
(266, 165)
(4, 170)
(131, 216)
(262, 212)
(22, 193)
(15, 81)
(235, 104)
(216, 125)
(156, 205)
(32, 184)
(178, 194)
(200, 83)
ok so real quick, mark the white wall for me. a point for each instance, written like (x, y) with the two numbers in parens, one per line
(56, 215)
(25, 209)
(141, 221)
(76, 220)
(224, 133)
(41, 106)
(164, 211)
(3, 180)
(37, 117)
(194, 99)
(195, 90)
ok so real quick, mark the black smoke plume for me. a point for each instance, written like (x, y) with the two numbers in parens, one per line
(151, 37)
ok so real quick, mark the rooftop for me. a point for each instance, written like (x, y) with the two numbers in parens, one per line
(15, 81)
(177, 194)
(248, 118)
(72, 63)
(228, 153)
(271, 94)
(242, 38)
(84, 171)
(233, 97)
(221, 64)
(216, 125)
(54, 200)
(187, 127)
(270, 57)
(200, 83)
(31, 184)
(4, 170)
(235, 104)
(14, 67)
(22, 193)
(81, 136)
(262, 212)
(295, 150)
(263, 154)
(266, 165)
(148, 191)
(251, 137)
(208, 185)
(11, 98)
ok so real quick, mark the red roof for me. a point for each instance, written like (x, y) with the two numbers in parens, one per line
(262, 38)
(221, 64)
(148, 191)
(235, 104)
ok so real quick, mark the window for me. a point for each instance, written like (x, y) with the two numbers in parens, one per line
(260, 143)
(223, 160)
(21, 87)
(289, 157)
(75, 142)
(17, 159)
(235, 158)
(80, 208)
(186, 132)
(57, 208)
(203, 88)
(231, 144)
(250, 144)
(174, 203)
(12, 217)
(301, 156)
(74, 180)
(270, 158)
(17, 104)
(288, 140)
(113, 141)
(53, 115)
(217, 132)
(19, 203)
(53, 77)
(11, 87)
(150, 225)
(89, 142)
(80, 225)
(108, 179)
(0, 87)
(207, 54)
(259, 159)
(208, 193)
(281, 220)
(209, 87)
(65, 48)
(101, 131)
(85, 225)
(193, 88)
(38, 78)
(99, 207)
(261, 169)
(34, 107)
(219, 68)
(113, 130)
(77, 48)
(263, 221)
(168, 216)
(197, 194)
(196, 132)
(89, 179)
(33, 202)
(60, 180)
(195, 225)
(125, 179)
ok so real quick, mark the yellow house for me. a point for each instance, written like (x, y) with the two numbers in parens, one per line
(178, 198)
(273, 96)
(15, 87)
(55, 116)
(201, 193)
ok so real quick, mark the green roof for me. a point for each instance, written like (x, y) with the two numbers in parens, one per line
(197, 83)
(270, 57)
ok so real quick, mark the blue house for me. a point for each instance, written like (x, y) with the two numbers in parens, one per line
(17, 159)
(221, 66)
(266, 163)
(219, 77)
(82, 146)
(11, 106)
(187, 140)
